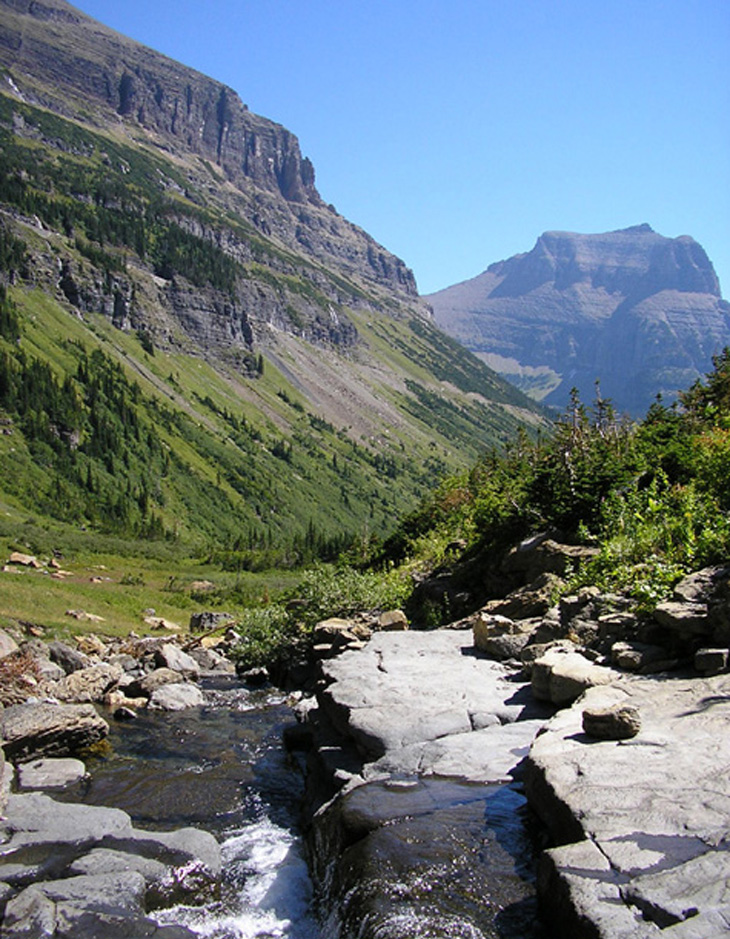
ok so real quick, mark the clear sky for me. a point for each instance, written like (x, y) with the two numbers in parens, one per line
(457, 131)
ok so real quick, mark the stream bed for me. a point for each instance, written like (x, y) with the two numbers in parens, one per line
(222, 767)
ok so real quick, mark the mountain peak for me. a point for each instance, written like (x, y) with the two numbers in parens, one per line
(641, 312)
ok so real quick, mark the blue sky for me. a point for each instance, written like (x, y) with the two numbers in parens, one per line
(457, 131)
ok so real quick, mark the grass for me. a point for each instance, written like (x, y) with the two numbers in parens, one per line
(121, 589)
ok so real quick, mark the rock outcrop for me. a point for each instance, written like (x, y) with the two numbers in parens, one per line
(640, 312)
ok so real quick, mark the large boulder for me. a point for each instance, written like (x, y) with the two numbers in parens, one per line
(535, 599)
(7, 644)
(70, 660)
(173, 657)
(499, 636)
(176, 697)
(86, 684)
(541, 554)
(35, 730)
(146, 687)
(561, 676)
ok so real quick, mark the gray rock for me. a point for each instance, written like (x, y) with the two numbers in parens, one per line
(145, 687)
(499, 636)
(39, 730)
(86, 684)
(7, 644)
(176, 697)
(639, 656)
(35, 818)
(685, 620)
(209, 660)
(653, 810)
(392, 620)
(562, 676)
(202, 622)
(711, 661)
(50, 773)
(527, 602)
(619, 722)
(70, 660)
(172, 657)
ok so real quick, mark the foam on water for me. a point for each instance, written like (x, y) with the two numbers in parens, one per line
(271, 891)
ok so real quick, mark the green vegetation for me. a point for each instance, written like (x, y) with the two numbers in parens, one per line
(654, 496)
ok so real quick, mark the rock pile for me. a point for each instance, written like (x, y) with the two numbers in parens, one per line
(79, 871)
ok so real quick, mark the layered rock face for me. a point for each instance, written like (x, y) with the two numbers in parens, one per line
(60, 59)
(638, 312)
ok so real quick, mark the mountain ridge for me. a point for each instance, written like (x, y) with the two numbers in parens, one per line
(283, 353)
(637, 311)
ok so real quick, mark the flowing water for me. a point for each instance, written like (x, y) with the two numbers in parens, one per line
(222, 767)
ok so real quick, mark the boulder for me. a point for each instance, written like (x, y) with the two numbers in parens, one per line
(392, 620)
(711, 661)
(173, 657)
(211, 661)
(499, 636)
(24, 560)
(176, 697)
(91, 644)
(145, 687)
(640, 657)
(527, 602)
(202, 622)
(70, 660)
(541, 554)
(7, 644)
(618, 722)
(561, 676)
(35, 730)
(86, 684)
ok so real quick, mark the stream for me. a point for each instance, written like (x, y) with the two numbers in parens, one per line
(222, 767)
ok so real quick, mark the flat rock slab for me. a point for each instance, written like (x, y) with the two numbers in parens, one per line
(50, 773)
(654, 810)
(428, 702)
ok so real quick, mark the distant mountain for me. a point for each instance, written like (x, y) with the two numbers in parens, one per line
(192, 343)
(637, 311)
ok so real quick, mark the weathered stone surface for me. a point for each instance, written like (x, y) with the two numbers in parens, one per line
(36, 730)
(50, 773)
(619, 722)
(70, 660)
(145, 687)
(711, 661)
(542, 554)
(639, 656)
(393, 620)
(656, 807)
(7, 644)
(86, 684)
(173, 657)
(527, 602)
(210, 661)
(375, 698)
(201, 622)
(561, 676)
(176, 697)
(499, 636)
(685, 620)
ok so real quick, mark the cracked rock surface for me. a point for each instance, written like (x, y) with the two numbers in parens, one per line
(643, 824)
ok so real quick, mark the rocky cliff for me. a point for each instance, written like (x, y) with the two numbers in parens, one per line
(145, 212)
(637, 311)
(59, 58)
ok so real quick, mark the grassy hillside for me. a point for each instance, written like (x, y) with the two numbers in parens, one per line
(126, 412)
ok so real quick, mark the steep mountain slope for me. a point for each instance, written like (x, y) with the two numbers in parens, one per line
(264, 371)
(639, 312)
